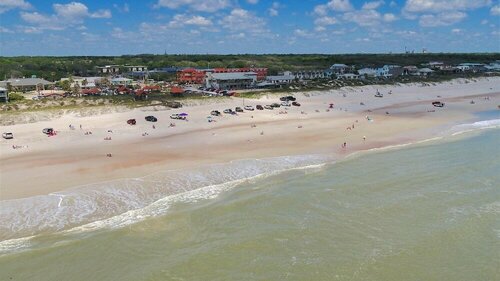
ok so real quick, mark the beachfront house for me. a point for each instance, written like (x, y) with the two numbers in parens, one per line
(230, 81)
(26, 84)
(389, 71)
(309, 74)
(471, 67)
(339, 68)
(285, 78)
(367, 72)
(424, 72)
(83, 82)
(494, 66)
(4, 95)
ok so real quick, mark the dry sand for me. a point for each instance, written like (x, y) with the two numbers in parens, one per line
(72, 158)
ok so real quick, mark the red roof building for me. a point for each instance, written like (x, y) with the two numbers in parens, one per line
(197, 76)
(191, 75)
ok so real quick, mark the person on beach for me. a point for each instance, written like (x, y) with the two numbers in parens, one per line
(364, 138)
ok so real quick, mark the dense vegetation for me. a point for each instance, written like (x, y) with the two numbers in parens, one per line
(54, 68)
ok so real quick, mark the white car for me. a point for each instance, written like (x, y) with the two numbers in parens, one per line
(8, 136)
(249, 107)
(285, 103)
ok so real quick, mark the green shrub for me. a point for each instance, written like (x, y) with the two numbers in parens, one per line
(15, 97)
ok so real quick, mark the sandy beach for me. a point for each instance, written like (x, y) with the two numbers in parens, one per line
(74, 157)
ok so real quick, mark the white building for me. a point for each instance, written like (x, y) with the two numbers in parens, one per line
(310, 74)
(286, 78)
(348, 76)
(368, 72)
(84, 82)
(230, 81)
(135, 68)
(121, 81)
(108, 69)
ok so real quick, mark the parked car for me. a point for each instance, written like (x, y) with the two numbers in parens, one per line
(151, 118)
(228, 111)
(131, 121)
(215, 113)
(177, 116)
(288, 98)
(275, 105)
(238, 109)
(48, 131)
(8, 136)
(268, 107)
(285, 103)
(295, 103)
(249, 107)
(438, 104)
(259, 107)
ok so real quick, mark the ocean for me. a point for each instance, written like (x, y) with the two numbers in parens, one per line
(426, 211)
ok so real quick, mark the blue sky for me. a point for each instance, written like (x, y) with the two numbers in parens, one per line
(97, 27)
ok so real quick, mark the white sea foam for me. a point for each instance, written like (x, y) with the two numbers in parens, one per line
(121, 202)
(479, 125)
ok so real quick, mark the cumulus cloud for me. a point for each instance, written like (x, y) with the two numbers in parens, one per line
(323, 21)
(363, 17)
(340, 5)
(495, 10)
(436, 6)
(389, 17)
(273, 10)
(253, 1)
(181, 20)
(372, 5)
(6, 5)
(441, 19)
(196, 5)
(243, 20)
(64, 15)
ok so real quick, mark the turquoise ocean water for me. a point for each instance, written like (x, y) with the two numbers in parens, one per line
(422, 212)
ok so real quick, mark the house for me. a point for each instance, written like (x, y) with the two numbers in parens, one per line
(473, 67)
(135, 68)
(367, 72)
(338, 68)
(83, 82)
(108, 69)
(26, 84)
(286, 78)
(4, 95)
(410, 70)
(424, 71)
(260, 71)
(121, 81)
(389, 71)
(230, 81)
(191, 76)
(494, 66)
(309, 74)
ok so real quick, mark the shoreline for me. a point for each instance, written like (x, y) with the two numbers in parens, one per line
(81, 159)
(119, 220)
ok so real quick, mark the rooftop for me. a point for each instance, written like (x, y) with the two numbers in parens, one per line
(234, 76)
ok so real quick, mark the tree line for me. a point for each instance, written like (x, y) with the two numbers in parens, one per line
(54, 68)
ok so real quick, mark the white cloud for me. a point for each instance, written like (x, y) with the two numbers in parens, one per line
(483, 22)
(436, 6)
(122, 9)
(65, 15)
(243, 20)
(101, 14)
(363, 17)
(389, 17)
(323, 21)
(197, 5)
(441, 19)
(456, 30)
(273, 10)
(6, 5)
(302, 33)
(181, 20)
(5, 30)
(495, 10)
(372, 5)
(253, 1)
(340, 5)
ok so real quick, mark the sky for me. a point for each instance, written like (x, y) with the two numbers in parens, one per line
(115, 27)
